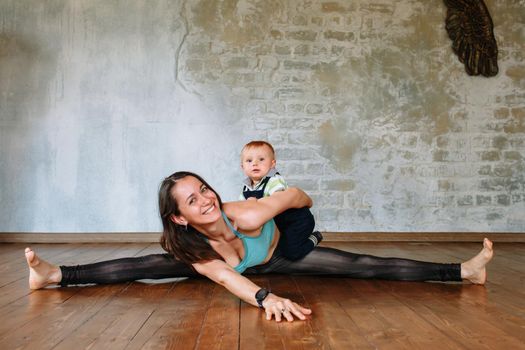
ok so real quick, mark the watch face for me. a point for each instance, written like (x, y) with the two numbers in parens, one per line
(261, 295)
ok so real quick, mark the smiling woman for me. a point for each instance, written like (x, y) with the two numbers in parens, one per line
(220, 241)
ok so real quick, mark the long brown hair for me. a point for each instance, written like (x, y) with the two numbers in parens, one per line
(184, 242)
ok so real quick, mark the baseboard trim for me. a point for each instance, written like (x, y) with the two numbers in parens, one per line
(151, 237)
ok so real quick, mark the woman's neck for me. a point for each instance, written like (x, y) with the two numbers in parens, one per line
(217, 231)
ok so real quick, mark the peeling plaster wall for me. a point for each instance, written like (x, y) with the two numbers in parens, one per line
(368, 108)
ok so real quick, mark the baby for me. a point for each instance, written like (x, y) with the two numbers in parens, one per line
(296, 225)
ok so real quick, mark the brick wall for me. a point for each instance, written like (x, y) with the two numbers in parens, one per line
(369, 109)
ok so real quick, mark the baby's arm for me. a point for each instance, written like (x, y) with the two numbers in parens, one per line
(275, 184)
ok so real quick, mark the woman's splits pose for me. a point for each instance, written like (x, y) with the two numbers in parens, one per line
(223, 241)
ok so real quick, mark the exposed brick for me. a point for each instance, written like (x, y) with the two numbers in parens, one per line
(331, 199)
(299, 124)
(317, 21)
(336, 20)
(440, 156)
(441, 201)
(314, 169)
(481, 142)
(518, 113)
(302, 50)
(305, 184)
(297, 65)
(501, 113)
(275, 107)
(483, 200)
(268, 62)
(276, 34)
(503, 199)
(407, 171)
(300, 20)
(503, 171)
(512, 155)
(337, 185)
(314, 108)
(337, 50)
(327, 215)
(282, 50)
(295, 154)
(445, 186)
(499, 184)
(295, 108)
(289, 93)
(240, 62)
(465, 200)
(442, 141)
(332, 6)
(490, 156)
(494, 216)
(341, 36)
(448, 156)
(265, 123)
(291, 168)
(276, 137)
(500, 142)
(485, 170)
(306, 35)
(517, 198)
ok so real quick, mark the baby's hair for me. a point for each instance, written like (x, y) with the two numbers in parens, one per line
(258, 143)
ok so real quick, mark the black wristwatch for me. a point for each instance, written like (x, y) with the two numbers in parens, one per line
(261, 295)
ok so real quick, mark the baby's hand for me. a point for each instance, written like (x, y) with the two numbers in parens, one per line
(252, 199)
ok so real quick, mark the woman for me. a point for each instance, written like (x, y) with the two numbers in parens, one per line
(205, 236)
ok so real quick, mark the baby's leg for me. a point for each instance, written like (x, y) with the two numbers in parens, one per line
(297, 236)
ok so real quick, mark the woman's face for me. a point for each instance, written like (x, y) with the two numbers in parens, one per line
(198, 205)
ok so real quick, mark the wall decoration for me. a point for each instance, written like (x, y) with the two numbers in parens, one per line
(470, 27)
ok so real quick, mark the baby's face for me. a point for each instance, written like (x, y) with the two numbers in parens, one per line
(256, 162)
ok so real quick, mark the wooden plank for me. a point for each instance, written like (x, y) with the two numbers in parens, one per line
(220, 328)
(333, 325)
(257, 332)
(117, 323)
(49, 328)
(460, 314)
(178, 320)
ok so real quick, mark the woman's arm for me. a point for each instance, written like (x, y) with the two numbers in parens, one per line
(250, 215)
(223, 274)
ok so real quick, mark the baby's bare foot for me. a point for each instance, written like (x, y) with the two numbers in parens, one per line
(474, 269)
(41, 273)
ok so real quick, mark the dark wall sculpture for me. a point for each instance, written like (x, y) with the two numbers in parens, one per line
(470, 27)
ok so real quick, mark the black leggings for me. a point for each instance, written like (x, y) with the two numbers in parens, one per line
(320, 261)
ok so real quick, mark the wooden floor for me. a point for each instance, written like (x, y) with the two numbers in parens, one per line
(197, 314)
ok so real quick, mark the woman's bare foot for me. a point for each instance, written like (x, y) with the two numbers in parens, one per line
(474, 269)
(41, 273)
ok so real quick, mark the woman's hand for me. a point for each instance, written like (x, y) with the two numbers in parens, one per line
(278, 307)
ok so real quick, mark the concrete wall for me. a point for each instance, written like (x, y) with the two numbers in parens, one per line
(369, 110)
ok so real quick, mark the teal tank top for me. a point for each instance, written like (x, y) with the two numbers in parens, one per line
(255, 248)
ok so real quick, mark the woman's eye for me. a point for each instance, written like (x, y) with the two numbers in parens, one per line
(192, 201)
(204, 189)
